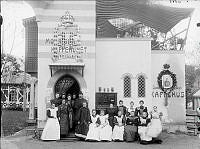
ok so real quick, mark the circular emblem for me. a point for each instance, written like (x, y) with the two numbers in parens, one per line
(166, 79)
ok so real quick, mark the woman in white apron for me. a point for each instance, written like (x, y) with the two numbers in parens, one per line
(93, 133)
(118, 131)
(52, 128)
(105, 133)
(155, 127)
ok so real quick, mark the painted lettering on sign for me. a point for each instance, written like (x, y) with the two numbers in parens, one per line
(66, 43)
(173, 94)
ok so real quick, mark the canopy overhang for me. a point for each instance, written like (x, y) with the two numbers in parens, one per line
(67, 66)
(162, 18)
(197, 94)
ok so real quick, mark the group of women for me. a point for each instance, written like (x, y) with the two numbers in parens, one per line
(63, 118)
(113, 124)
(124, 124)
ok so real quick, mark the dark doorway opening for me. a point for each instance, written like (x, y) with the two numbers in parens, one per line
(68, 85)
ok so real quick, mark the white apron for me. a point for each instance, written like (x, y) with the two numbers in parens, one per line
(51, 130)
(93, 133)
(118, 131)
(105, 129)
(155, 127)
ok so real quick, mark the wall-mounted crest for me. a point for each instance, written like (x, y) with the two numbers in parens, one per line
(166, 79)
(66, 43)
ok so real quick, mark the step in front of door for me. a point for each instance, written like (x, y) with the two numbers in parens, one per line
(70, 138)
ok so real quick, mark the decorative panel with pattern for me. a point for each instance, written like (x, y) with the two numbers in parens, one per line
(141, 86)
(127, 86)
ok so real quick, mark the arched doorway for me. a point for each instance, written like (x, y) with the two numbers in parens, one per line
(67, 85)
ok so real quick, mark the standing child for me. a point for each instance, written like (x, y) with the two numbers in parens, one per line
(84, 119)
(93, 133)
(118, 131)
(105, 133)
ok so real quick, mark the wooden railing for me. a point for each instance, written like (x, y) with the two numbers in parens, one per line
(193, 122)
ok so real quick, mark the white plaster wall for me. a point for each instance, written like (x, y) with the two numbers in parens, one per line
(89, 76)
(36, 94)
(175, 111)
(48, 15)
(115, 57)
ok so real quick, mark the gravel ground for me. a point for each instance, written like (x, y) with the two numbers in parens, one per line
(170, 141)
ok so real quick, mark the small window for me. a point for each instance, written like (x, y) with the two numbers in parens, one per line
(13, 96)
(127, 87)
(141, 86)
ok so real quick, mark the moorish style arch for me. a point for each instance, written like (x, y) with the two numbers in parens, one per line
(61, 73)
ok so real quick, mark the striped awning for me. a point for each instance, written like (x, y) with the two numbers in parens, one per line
(197, 94)
(162, 18)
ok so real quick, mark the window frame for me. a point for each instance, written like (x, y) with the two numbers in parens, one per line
(127, 85)
(141, 94)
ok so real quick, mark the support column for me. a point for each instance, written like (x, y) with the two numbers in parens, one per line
(32, 102)
(24, 98)
(8, 99)
(17, 90)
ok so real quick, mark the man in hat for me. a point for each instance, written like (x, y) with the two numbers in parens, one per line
(78, 104)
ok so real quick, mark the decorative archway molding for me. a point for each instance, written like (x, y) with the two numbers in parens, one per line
(141, 74)
(60, 73)
(127, 74)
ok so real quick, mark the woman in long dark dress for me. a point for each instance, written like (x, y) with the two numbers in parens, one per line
(130, 130)
(111, 113)
(84, 120)
(77, 105)
(63, 116)
(70, 109)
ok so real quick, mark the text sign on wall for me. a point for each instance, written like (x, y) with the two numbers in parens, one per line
(66, 43)
(167, 85)
(173, 94)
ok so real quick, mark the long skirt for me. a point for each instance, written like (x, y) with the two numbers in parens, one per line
(155, 128)
(51, 130)
(130, 133)
(105, 133)
(142, 131)
(93, 133)
(70, 120)
(64, 124)
(118, 133)
(111, 121)
(82, 130)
